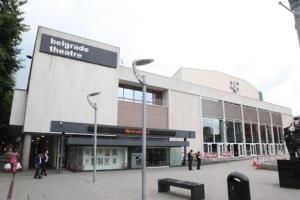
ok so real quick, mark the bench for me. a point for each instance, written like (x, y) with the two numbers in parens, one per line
(197, 190)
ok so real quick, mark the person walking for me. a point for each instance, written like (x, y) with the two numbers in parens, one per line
(45, 159)
(37, 165)
(13, 157)
(190, 159)
(198, 156)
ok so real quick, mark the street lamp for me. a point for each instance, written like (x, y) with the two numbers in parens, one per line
(142, 80)
(94, 106)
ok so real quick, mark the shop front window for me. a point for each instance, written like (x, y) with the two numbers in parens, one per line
(218, 130)
(275, 132)
(230, 131)
(263, 133)
(269, 133)
(248, 133)
(208, 129)
(281, 135)
(238, 132)
(255, 133)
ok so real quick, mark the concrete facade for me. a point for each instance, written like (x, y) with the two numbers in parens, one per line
(58, 88)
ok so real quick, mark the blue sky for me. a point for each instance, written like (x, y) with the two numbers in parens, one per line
(251, 39)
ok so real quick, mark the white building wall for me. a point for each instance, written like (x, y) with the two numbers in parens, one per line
(125, 73)
(185, 112)
(287, 120)
(59, 86)
(216, 80)
(17, 114)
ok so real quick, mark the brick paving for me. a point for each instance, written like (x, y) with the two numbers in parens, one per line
(126, 184)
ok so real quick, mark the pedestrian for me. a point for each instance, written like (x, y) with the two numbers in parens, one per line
(37, 165)
(190, 159)
(198, 156)
(45, 159)
(13, 157)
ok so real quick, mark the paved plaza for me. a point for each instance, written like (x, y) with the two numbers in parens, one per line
(126, 184)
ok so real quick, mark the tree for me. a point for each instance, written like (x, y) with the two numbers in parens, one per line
(11, 28)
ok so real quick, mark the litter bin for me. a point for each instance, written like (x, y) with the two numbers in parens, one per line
(238, 186)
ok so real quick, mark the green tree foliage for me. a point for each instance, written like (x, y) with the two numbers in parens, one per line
(11, 28)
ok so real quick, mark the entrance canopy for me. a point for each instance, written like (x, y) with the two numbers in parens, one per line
(84, 128)
(120, 135)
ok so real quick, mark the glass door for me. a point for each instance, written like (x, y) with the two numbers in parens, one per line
(241, 150)
(264, 149)
(208, 150)
(221, 150)
(230, 150)
(253, 149)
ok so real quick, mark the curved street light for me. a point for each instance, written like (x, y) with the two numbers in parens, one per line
(94, 106)
(142, 80)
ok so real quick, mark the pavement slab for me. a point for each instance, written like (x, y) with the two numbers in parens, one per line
(126, 184)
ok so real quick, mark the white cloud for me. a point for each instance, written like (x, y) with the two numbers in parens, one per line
(252, 39)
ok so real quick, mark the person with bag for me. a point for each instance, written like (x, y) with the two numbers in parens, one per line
(13, 157)
(45, 159)
(37, 165)
(198, 157)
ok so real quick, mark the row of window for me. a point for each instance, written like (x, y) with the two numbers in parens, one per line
(213, 131)
(135, 94)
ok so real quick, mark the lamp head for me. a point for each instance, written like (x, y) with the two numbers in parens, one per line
(143, 62)
(93, 94)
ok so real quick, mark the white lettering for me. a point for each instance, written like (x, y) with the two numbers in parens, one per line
(52, 41)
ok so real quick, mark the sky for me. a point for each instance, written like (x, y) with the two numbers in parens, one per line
(252, 39)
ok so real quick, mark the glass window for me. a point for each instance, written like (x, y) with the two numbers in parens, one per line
(280, 134)
(208, 129)
(149, 97)
(269, 133)
(138, 95)
(230, 131)
(263, 133)
(255, 133)
(238, 132)
(120, 93)
(128, 93)
(248, 133)
(275, 132)
(218, 130)
(248, 150)
(115, 152)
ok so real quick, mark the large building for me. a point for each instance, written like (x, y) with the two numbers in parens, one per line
(218, 114)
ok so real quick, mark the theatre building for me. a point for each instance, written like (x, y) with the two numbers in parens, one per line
(208, 111)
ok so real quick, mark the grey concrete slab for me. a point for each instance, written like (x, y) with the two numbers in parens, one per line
(126, 184)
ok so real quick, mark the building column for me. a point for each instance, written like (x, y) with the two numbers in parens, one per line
(259, 133)
(272, 132)
(244, 134)
(26, 152)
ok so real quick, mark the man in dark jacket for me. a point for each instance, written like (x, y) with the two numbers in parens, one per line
(190, 159)
(44, 163)
(37, 165)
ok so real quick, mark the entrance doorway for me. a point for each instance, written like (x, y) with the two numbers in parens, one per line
(241, 150)
(157, 157)
(236, 150)
(253, 149)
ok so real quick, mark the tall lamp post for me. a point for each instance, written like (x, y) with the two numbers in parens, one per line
(94, 106)
(142, 80)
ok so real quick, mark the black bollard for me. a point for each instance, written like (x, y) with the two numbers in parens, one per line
(238, 186)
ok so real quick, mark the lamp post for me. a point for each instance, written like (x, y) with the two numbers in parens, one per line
(94, 106)
(142, 80)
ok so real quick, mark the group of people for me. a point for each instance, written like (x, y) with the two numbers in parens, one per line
(191, 158)
(40, 164)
